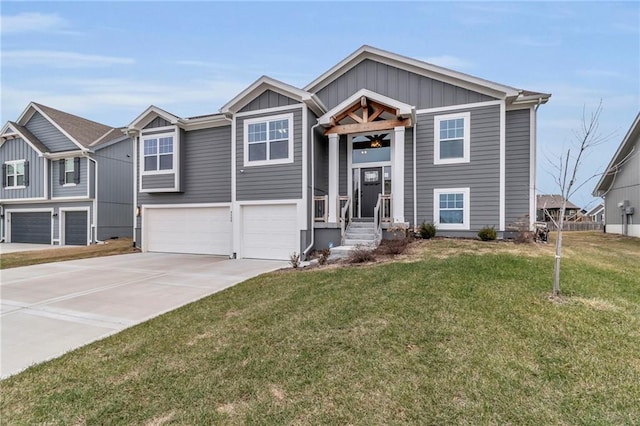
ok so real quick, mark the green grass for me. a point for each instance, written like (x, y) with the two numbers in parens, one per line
(459, 332)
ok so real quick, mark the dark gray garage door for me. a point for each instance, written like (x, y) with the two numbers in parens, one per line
(75, 228)
(31, 227)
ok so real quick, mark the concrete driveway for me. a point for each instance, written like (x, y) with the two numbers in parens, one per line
(47, 310)
(16, 247)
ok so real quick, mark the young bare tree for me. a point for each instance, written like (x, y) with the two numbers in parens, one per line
(566, 174)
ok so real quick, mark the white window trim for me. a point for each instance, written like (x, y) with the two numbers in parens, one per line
(158, 136)
(14, 163)
(267, 162)
(465, 225)
(466, 142)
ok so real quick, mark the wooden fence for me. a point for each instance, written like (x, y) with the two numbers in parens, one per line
(577, 226)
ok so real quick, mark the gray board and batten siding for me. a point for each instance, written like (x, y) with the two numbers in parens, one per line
(413, 89)
(408, 175)
(157, 122)
(18, 149)
(205, 167)
(517, 167)
(49, 135)
(74, 190)
(269, 99)
(626, 186)
(115, 190)
(270, 182)
(481, 175)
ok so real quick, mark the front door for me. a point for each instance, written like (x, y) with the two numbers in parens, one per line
(371, 185)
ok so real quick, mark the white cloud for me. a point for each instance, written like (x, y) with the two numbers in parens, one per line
(60, 59)
(32, 22)
(448, 61)
(118, 101)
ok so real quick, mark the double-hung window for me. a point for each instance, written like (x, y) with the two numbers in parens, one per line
(268, 140)
(451, 208)
(14, 174)
(69, 171)
(452, 138)
(158, 153)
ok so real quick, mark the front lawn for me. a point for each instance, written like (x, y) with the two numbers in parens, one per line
(458, 332)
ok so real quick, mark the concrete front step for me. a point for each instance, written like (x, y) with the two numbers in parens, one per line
(359, 236)
(342, 252)
(361, 225)
(354, 242)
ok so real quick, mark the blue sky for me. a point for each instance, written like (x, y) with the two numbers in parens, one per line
(108, 61)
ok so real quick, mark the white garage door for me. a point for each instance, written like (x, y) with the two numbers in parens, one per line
(197, 230)
(270, 231)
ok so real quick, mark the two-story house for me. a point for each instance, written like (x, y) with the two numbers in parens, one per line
(619, 185)
(379, 139)
(65, 180)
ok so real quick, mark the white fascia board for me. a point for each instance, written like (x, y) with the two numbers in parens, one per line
(404, 110)
(149, 115)
(415, 66)
(64, 132)
(263, 84)
(217, 120)
(628, 139)
(17, 132)
(65, 154)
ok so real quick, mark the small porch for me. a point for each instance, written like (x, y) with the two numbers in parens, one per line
(365, 136)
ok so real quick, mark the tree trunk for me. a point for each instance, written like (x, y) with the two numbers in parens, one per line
(556, 269)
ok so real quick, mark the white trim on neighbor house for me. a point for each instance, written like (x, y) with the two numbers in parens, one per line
(466, 139)
(17, 134)
(15, 174)
(465, 225)
(7, 217)
(532, 166)
(158, 130)
(74, 197)
(415, 175)
(503, 150)
(633, 230)
(459, 107)
(61, 222)
(269, 110)
(268, 120)
(23, 200)
(425, 69)
(136, 178)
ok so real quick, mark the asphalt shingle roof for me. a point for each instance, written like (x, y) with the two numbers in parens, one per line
(82, 130)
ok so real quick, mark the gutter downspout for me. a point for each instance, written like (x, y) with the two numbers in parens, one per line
(95, 204)
(415, 175)
(313, 173)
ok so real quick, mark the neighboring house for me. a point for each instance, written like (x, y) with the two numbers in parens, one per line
(378, 138)
(549, 207)
(596, 214)
(65, 180)
(620, 186)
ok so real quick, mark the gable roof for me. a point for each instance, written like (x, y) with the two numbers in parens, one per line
(552, 202)
(456, 78)
(81, 131)
(627, 146)
(190, 123)
(597, 209)
(23, 133)
(265, 83)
